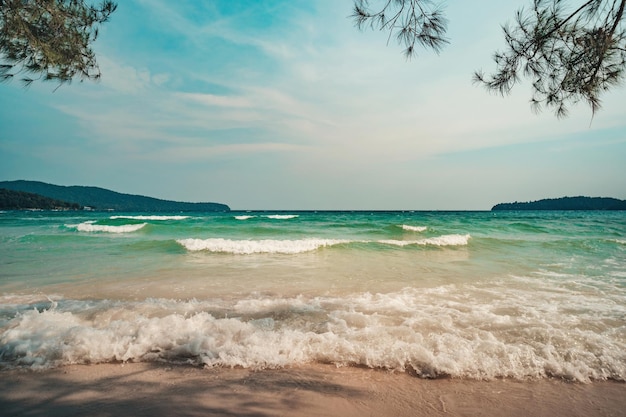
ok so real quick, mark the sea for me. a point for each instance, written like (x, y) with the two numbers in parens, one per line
(472, 295)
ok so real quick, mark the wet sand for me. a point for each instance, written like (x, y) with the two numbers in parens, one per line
(145, 389)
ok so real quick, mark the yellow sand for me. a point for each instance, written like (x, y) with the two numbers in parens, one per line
(313, 390)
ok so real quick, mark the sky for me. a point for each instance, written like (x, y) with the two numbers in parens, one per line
(285, 105)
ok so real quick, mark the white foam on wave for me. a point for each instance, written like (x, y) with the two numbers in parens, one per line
(445, 240)
(90, 226)
(244, 217)
(282, 216)
(409, 228)
(17, 299)
(152, 217)
(247, 247)
(449, 330)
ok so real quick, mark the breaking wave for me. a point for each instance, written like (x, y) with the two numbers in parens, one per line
(152, 217)
(430, 332)
(247, 247)
(91, 227)
(414, 228)
(445, 240)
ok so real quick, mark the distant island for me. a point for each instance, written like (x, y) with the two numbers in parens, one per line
(566, 203)
(50, 197)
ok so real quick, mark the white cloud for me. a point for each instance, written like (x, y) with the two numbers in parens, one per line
(338, 106)
(187, 154)
(213, 100)
(127, 79)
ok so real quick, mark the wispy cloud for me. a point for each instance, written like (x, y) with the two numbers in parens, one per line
(212, 100)
(284, 89)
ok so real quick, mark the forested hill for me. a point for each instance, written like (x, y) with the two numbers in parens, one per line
(103, 199)
(566, 203)
(20, 200)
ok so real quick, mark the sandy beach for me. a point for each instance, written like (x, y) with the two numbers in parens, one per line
(148, 389)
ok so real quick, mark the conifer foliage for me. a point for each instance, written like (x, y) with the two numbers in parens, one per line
(50, 40)
(412, 22)
(568, 54)
(570, 50)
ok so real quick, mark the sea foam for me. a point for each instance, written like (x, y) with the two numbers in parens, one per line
(429, 332)
(445, 240)
(91, 227)
(246, 247)
(151, 217)
(414, 228)
(282, 216)
(245, 217)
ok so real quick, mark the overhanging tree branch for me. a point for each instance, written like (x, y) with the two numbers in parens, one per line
(569, 57)
(50, 39)
(411, 21)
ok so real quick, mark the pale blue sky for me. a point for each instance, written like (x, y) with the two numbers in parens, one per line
(285, 105)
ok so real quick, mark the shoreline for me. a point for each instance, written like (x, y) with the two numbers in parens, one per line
(157, 389)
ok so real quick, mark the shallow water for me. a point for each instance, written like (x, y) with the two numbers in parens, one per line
(465, 294)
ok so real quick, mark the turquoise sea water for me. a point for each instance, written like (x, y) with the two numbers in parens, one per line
(461, 294)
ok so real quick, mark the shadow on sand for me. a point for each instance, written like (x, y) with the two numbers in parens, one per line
(149, 389)
(155, 389)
